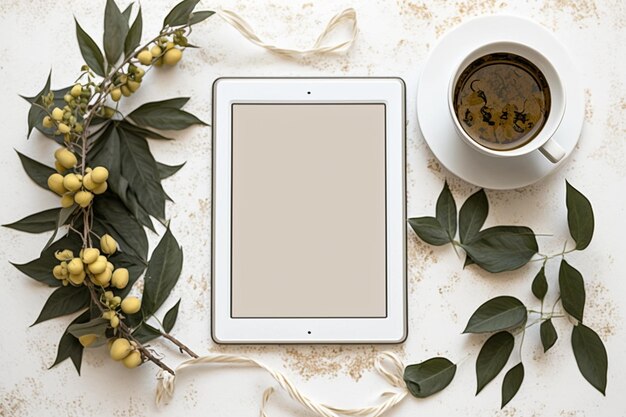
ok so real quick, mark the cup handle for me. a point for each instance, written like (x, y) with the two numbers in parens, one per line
(553, 151)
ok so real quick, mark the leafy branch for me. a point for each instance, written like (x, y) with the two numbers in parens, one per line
(506, 248)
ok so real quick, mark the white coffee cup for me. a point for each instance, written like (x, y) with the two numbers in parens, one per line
(543, 141)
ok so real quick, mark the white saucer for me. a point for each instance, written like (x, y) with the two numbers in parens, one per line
(436, 123)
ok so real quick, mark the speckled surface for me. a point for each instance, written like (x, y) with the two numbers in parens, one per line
(395, 38)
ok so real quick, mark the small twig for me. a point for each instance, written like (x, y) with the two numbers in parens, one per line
(180, 345)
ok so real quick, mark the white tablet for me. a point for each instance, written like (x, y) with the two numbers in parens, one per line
(308, 210)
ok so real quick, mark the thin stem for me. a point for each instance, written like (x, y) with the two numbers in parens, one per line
(181, 346)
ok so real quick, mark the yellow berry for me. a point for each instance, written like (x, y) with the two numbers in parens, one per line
(60, 168)
(108, 314)
(139, 73)
(83, 198)
(77, 279)
(68, 98)
(110, 266)
(90, 255)
(88, 182)
(116, 94)
(133, 85)
(59, 272)
(115, 301)
(172, 56)
(64, 255)
(57, 114)
(120, 278)
(71, 182)
(131, 305)
(55, 183)
(125, 91)
(156, 51)
(120, 349)
(87, 339)
(66, 158)
(101, 188)
(98, 266)
(104, 277)
(158, 62)
(99, 175)
(115, 321)
(145, 57)
(67, 201)
(169, 45)
(108, 244)
(47, 122)
(63, 128)
(133, 359)
(76, 90)
(75, 266)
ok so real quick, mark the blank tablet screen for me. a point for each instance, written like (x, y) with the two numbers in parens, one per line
(308, 211)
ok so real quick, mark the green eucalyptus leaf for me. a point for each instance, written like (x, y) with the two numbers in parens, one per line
(43, 221)
(180, 14)
(36, 113)
(95, 326)
(110, 215)
(64, 214)
(502, 248)
(492, 357)
(133, 38)
(63, 301)
(200, 16)
(127, 11)
(591, 356)
(37, 171)
(145, 333)
(472, 216)
(90, 51)
(162, 274)
(166, 171)
(46, 88)
(579, 217)
(548, 335)
(429, 230)
(500, 313)
(540, 284)
(170, 318)
(139, 166)
(69, 346)
(165, 119)
(446, 211)
(40, 269)
(468, 261)
(429, 377)
(115, 31)
(572, 286)
(512, 383)
(141, 131)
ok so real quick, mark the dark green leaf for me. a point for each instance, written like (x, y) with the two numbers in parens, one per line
(162, 273)
(492, 357)
(139, 166)
(590, 356)
(36, 113)
(512, 382)
(540, 284)
(502, 248)
(170, 103)
(63, 301)
(473, 215)
(548, 335)
(37, 171)
(95, 326)
(44, 91)
(134, 35)
(429, 377)
(43, 221)
(572, 287)
(198, 17)
(429, 230)
(468, 261)
(113, 217)
(115, 31)
(90, 51)
(579, 217)
(64, 214)
(145, 333)
(127, 11)
(180, 14)
(141, 131)
(40, 269)
(70, 347)
(499, 313)
(164, 115)
(170, 318)
(446, 211)
(166, 171)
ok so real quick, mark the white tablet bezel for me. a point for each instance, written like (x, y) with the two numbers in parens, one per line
(389, 329)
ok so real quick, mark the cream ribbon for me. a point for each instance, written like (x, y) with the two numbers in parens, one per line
(347, 16)
(387, 364)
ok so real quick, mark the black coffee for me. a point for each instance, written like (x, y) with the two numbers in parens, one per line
(502, 101)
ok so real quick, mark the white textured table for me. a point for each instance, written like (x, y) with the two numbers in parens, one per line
(394, 39)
